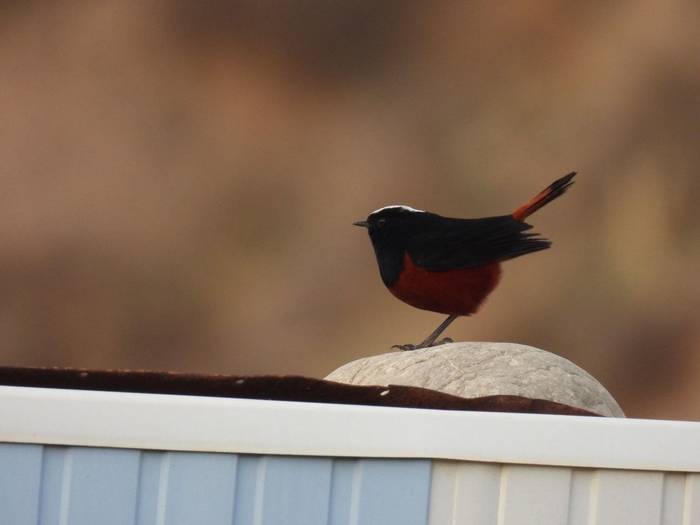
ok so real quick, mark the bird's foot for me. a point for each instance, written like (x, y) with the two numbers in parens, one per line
(406, 347)
(410, 346)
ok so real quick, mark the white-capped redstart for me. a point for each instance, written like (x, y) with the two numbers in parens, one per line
(450, 265)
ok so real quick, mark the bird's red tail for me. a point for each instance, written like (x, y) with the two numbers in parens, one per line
(551, 192)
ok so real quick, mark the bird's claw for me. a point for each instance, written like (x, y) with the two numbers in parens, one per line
(406, 347)
(410, 346)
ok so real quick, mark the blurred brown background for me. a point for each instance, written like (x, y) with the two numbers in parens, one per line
(179, 180)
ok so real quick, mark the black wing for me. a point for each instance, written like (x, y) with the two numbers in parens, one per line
(443, 243)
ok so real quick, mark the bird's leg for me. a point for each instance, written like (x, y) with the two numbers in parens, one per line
(436, 333)
(430, 340)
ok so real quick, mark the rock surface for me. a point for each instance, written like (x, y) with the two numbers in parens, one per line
(484, 369)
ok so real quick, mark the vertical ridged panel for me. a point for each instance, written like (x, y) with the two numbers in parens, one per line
(103, 486)
(249, 489)
(525, 494)
(390, 491)
(673, 498)
(691, 497)
(628, 497)
(309, 491)
(20, 483)
(378, 491)
(343, 500)
(582, 496)
(85, 486)
(195, 487)
(464, 493)
(283, 489)
(296, 490)
(531, 494)
(89, 485)
(153, 470)
(55, 485)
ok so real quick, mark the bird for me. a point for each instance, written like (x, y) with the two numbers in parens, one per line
(450, 265)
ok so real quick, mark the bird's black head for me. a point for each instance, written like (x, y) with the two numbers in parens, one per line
(389, 222)
(389, 228)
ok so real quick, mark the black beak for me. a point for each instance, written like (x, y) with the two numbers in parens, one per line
(363, 224)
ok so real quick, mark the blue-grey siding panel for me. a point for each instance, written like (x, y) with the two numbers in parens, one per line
(181, 488)
(20, 483)
(283, 489)
(86, 486)
(393, 491)
(248, 486)
(380, 491)
(343, 499)
(296, 490)
(89, 485)
(201, 488)
(55, 485)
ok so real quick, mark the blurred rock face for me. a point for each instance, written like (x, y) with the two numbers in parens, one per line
(178, 184)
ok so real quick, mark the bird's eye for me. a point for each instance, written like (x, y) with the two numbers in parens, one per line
(381, 222)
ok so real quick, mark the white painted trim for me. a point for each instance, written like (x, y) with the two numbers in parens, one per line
(168, 422)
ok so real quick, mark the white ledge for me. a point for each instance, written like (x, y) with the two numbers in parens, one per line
(208, 424)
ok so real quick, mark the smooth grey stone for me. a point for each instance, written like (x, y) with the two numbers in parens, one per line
(473, 369)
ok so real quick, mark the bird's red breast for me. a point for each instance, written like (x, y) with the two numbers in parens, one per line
(452, 292)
